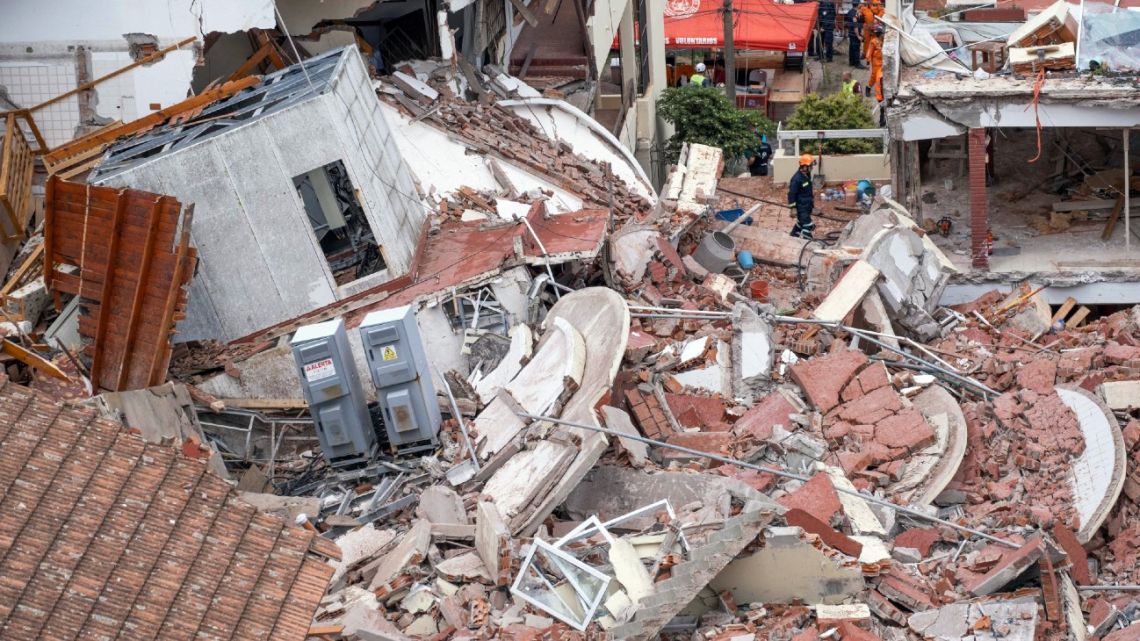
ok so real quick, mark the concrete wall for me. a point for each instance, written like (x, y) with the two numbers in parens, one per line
(836, 168)
(259, 261)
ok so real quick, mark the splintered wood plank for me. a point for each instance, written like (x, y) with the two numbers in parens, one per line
(1065, 308)
(1111, 224)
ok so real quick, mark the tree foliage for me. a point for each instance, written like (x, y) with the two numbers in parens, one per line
(704, 115)
(837, 111)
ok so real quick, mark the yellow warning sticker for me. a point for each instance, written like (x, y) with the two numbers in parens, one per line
(389, 353)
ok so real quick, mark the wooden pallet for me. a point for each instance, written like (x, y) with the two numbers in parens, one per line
(16, 168)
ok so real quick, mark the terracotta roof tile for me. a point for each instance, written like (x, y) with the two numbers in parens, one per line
(106, 537)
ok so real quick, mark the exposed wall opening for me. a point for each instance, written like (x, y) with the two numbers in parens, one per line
(338, 221)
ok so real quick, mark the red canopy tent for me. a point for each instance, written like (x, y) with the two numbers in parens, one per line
(760, 25)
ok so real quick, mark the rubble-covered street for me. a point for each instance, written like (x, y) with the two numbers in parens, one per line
(325, 337)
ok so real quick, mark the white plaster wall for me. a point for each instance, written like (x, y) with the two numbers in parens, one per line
(1014, 112)
(836, 168)
(259, 261)
(603, 27)
(77, 20)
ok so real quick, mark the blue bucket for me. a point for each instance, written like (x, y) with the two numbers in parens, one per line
(744, 258)
(730, 215)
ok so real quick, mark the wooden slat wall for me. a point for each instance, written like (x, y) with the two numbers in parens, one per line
(16, 167)
(132, 251)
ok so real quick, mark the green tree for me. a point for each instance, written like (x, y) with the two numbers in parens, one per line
(837, 111)
(704, 115)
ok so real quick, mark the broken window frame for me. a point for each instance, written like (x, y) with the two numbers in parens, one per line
(592, 525)
(589, 604)
(357, 230)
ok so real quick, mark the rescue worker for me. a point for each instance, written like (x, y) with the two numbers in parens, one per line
(800, 198)
(854, 42)
(758, 160)
(698, 78)
(867, 18)
(826, 22)
(849, 83)
(875, 57)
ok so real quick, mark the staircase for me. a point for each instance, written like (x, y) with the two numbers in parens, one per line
(688, 578)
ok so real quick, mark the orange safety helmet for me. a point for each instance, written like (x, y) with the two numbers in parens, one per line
(806, 159)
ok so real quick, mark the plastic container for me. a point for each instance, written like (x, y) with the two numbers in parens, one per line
(863, 185)
(744, 259)
(759, 290)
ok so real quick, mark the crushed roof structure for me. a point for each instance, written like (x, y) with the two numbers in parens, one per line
(105, 536)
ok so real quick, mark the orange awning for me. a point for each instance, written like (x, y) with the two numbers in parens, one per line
(759, 25)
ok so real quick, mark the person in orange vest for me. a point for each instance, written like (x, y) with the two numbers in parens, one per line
(875, 57)
(866, 14)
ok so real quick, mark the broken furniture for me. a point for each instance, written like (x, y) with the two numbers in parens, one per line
(992, 54)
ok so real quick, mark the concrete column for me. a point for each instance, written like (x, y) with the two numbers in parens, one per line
(1127, 191)
(629, 69)
(979, 204)
(655, 48)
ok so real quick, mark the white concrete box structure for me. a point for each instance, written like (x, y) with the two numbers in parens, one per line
(301, 196)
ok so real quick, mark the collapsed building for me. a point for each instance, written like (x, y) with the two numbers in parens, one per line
(430, 355)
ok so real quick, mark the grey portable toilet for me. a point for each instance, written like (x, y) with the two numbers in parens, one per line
(400, 371)
(331, 386)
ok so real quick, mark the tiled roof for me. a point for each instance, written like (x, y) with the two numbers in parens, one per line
(103, 536)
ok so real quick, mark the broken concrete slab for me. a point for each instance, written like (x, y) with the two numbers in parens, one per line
(287, 508)
(629, 570)
(557, 362)
(766, 247)
(789, 569)
(517, 355)
(601, 315)
(863, 520)
(410, 552)
(527, 476)
(1017, 619)
(618, 420)
(1120, 395)
(440, 504)
(609, 491)
(1012, 565)
(357, 545)
(464, 568)
(493, 542)
(848, 293)
(752, 351)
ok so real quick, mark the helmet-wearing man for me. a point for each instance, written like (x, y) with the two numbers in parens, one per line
(801, 199)
(698, 78)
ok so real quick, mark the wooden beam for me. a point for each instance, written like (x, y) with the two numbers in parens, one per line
(23, 269)
(1078, 317)
(49, 249)
(182, 255)
(121, 70)
(97, 364)
(1111, 224)
(32, 359)
(149, 121)
(258, 56)
(525, 12)
(1064, 310)
(1083, 205)
(331, 628)
(5, 151)
(152, 221)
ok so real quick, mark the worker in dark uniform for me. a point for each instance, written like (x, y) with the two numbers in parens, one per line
(801, 199)
(758, 160)
(827, 29)
(854, 43)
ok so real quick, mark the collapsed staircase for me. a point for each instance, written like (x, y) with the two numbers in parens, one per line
(689, 578)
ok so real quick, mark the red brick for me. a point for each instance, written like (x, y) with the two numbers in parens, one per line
(907, 429)
(871, 408)
(711, 442)
(1039, 375)
(822, 378)
(1077, 555)
(979, 197)
(850, 632)
(1012, 565)
(774, 409)
(906, 591)
(921, 539)
(817, 497)
(705, 410)
(798, 518)
(870, 379)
